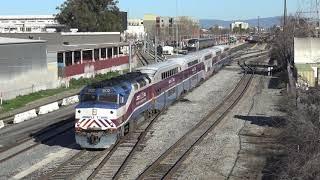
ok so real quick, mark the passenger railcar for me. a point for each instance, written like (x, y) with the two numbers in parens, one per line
(109, 110)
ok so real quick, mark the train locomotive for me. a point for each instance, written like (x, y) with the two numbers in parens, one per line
(200, 44)
(110, 109)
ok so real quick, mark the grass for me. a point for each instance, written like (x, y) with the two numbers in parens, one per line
(21, 101)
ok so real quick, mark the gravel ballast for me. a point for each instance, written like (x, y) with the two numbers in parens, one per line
(180, 118)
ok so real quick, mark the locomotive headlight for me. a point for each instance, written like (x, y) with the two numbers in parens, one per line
(94, 112)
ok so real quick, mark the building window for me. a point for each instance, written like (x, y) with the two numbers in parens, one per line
(96, 54)
(68, 58)
(60, 57)
(77, 57)
(103, 53)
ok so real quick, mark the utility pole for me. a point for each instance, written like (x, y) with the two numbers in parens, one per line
(318, 19)
(259, 26)
(155, 49)
(130, 56)
(285, 15)
(177, 26)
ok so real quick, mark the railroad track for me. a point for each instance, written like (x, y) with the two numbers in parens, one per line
(43, 136)
(75, 164)
(114, 158)
(169, 162)
(142, 59)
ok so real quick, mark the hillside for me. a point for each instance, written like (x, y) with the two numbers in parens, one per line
(264, 22)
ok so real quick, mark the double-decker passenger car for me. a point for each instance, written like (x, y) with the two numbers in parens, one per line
(110, 109)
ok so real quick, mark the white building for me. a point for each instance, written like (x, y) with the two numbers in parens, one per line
(135, 22)
(242, 25)
(135, 29)
(27, 23)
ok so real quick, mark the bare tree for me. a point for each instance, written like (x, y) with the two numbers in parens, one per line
(283, 46)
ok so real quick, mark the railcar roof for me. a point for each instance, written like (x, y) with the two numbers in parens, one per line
(157, 66)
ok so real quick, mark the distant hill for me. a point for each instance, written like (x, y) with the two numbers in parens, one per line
(264, 22)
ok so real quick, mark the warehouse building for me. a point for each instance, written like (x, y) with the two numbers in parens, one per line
(240, 25)
(307, 61)
(49, 60)
(69, 38)
(28, 23)
(86, 60)
(23, 67)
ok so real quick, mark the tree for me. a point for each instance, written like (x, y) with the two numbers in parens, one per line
(215, 30)
(90, 15)
(283, 46)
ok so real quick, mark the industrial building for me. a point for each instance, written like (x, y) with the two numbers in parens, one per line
(86, 60)
(23, 67)
(307, 61)
(28, 23)
(167, 28)
(238, 24)
(69, 38)
(37, 61)
(135, 30)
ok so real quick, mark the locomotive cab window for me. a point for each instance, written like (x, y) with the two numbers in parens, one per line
(110, 98)
(88, 98)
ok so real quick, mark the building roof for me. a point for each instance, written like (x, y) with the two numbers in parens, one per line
(306, 67)
(27, 17)
(88, 33)
(4, 40)
(77, 47)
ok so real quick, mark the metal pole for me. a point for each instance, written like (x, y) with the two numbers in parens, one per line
(130, 56)
(285, 14)
(259, 26)
(318, 20)
(155, 49)
(177, 26)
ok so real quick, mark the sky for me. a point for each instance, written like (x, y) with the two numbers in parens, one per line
(201, 9)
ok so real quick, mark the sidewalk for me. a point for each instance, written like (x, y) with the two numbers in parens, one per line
(40, 102)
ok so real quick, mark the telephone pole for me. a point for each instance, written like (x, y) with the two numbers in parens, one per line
(177, 26)
(259, 26)
(285, 14)
(318, 19)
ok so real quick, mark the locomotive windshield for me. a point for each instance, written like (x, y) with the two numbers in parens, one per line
(109, 98)
(192, 41)
(88, 97)
(104, 98)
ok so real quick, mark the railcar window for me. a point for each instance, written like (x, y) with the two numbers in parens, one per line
(149, 80)
(142, 83)
(88, 97)
(193, 63)
(170, 73)
(208, 57)
(108, 98)
(135, 87)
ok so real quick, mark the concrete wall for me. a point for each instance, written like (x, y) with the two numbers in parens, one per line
(24, 69)
(306, 50)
